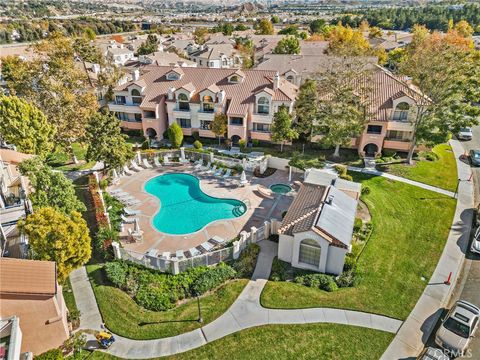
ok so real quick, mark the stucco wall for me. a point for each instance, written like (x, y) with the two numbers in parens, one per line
(285, 248)
(335, 261)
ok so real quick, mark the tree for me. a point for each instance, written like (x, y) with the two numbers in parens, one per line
(54, 84)
(275, 19)
(345, 41)
(87, 51)
(375, 32)
(52, 188)
(25, 126)
(395, 58)
(305, 108)
(281, 129)
(341, 106)
(200, 34)
(89, 33)
(289, 30)
(447, 76)
(287, 45)
(265, 27)
(54, 236)
(149, 46)
(219, 125)
(241, 27)
(175, 135)
(106, 143)
(317, 25)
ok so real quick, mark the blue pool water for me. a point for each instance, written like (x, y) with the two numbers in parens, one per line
(184, 207)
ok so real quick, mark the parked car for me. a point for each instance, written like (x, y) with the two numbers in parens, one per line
(465, 134)
(475, 157)
(475, 248)
(458, 328)
(431, 353)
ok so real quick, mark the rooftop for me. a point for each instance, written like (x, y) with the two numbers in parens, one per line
(27, 277)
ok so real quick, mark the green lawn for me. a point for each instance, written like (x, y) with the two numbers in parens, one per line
(311, 341)
(60, 160)
(410, 227)
(124, 317)
(68, 296)
(441, 173)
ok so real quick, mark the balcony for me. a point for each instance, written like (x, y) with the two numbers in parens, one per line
(126, 107)
(260, 135)
(262, 118)
(206, 133)
(400, 126)
(397, 144)
(181, 114)
(205, 116)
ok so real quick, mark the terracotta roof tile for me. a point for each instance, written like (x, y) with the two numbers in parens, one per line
(18, 276)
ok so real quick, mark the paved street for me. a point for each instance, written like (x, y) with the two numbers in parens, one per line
(468, 287)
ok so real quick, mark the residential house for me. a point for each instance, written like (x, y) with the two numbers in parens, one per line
(30, 292)
(14, 205)
(119, 54)
(191, 96)
(316, 232)
(218, 56)
(390, 40)
(163, 58)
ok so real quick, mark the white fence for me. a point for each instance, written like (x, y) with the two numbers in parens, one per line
(175, 266)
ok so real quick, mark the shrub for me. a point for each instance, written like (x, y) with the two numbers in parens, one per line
(365, 190)
(320, 281)
(175, 135)
(357, 225)
(431, 156)
(255, 142)
(57, 159)
(279, 269)
(103, 184)
(213, 278)
(350, 262)
(145, 145)
(116, 272)
(155, 299)
(346, 177)
(197, 145)
(53, 354)
(103, 241)
(348, 279)
(245, 265)
(242, 143)
(341, 170)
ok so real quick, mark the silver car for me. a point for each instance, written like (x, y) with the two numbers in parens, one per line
(431, 353)
(465, 134)
(458, 328)
(475, 248)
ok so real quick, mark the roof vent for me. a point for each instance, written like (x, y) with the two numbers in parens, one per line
(329, 200)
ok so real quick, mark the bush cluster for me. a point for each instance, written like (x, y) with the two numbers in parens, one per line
(320, 281)
(245, 265)
(342, 172)
(197, 144)
(160, 291)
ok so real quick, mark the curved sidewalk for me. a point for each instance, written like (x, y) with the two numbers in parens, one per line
(419, 325)
(245, 312)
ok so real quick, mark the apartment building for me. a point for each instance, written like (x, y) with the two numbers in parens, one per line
(192, 96)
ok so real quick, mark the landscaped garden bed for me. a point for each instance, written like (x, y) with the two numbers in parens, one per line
(410, 227)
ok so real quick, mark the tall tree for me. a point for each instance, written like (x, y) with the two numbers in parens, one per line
(150, 45)
(200, 35)
(265, 27)
(343, 95)
(305, 108)
(282, 130)
(25, 126)
(219, 125)
(57, 87)
(175, 135)
(54, 236)
(52, 188)
(447, 76)
(106, 143)
(317, 26)
(288, 45)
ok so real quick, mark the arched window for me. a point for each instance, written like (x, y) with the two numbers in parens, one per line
(309, 252)
(234, 79)
(263, 106)
(401, 112)
(136, 97)
(208, 105)
(290, 78)
(183, 103)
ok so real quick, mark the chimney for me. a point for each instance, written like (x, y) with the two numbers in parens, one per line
(170, 93)
(276, 81)
(135, 75)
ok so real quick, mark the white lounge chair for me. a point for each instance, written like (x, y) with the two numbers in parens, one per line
(157, 162)
(127, 171)
(206, 246)
(166, 161)
(212, 170)
(227, 174)
(198, 165)
(194, 252)
(206, 168)
(217, 240)
(131, 212)
(128, 220)
(179, 254)
(219, 172)
(135, 166)
(146, 164)
(166, 255)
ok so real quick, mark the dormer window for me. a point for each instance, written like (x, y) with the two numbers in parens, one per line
(136, 97)
(207, 103)
(234, 79)
(290, 78)
(263, 105)
(173, 76)
(401, 112)
(183, 103)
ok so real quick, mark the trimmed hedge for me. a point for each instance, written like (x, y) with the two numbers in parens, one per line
(321, 281)
(245, 265)
(212, 278)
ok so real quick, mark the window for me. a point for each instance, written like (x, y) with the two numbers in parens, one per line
(184, 123)
(138, 117)
(236, 121)
(149, 114)
(261, 127)
(395, 135)
(234, 79)
(205, 125)
(263, 106)
(183, 104)
(200, 62)
(172, 76)
(122, 116)
(207, 102)
(374, 129)
(309, 252)
(401, 112)
(136, 97)
(120, 100)
(290, 78)
(211, 64)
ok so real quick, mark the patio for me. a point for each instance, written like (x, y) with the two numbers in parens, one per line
(260, 208)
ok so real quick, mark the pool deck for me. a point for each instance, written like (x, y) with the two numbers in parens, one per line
(259, 208)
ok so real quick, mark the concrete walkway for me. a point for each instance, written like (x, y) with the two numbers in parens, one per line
(245, 312)
(415, 331)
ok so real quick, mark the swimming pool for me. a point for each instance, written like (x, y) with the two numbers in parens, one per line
(184, 207)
